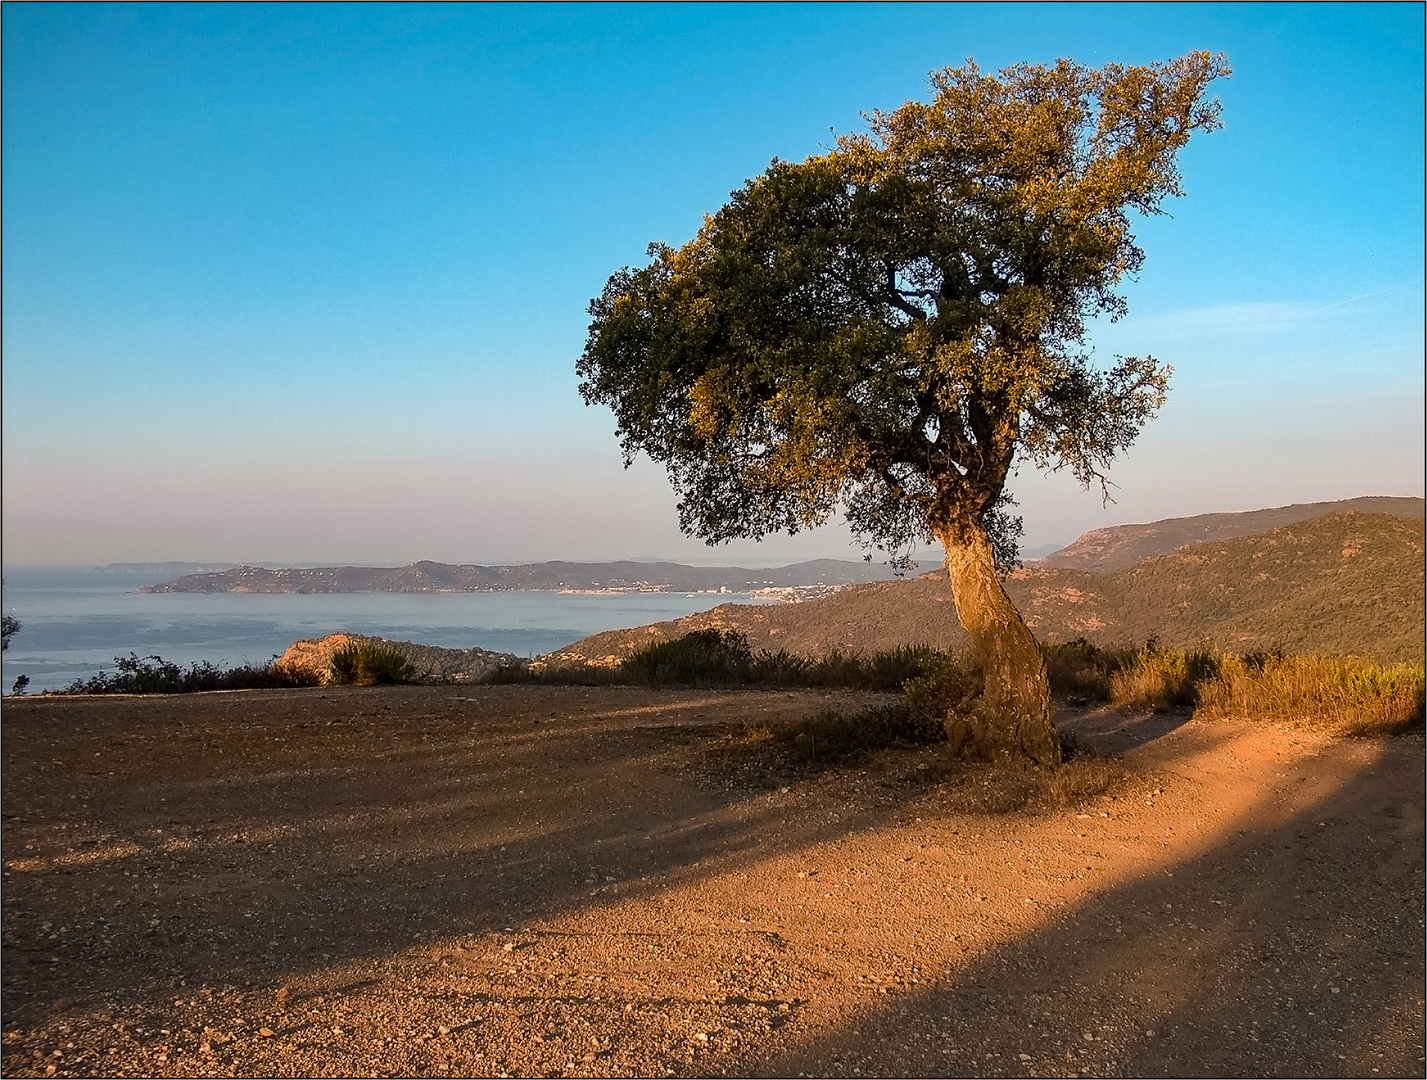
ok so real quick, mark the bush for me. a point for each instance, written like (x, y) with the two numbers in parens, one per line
(1082, 670)
(1162, 679)
(1343, 695)
(833, 736)
(723, 658)
(564, 674)
(155, 675)
(947, 687)
(702, 658)
(371, 663)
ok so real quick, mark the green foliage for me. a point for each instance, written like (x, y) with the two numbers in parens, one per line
(371, 663)
(155, 675)
(1078, 669)
(947, 687)
(704, 657)
(723, 658)
(885, 326)
(9, 627)
(567, 674)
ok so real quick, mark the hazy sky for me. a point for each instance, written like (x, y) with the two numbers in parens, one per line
(308, 283)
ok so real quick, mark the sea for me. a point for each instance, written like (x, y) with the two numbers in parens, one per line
(74, 622)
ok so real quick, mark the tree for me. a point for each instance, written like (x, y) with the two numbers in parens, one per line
(888, 326)
(10, 627)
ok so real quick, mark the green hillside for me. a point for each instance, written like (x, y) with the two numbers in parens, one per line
(1343, 583)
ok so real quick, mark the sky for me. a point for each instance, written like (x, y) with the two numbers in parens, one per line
(307, 284)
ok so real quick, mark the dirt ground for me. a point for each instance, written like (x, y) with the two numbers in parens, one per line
(528, 880)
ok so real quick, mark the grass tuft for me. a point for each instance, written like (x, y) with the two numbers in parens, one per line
(371, 663)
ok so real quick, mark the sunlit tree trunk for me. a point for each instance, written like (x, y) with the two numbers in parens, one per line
(1013, 715)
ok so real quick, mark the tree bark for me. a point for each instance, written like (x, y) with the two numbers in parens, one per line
(1012, 717)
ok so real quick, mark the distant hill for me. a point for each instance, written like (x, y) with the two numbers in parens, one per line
(434, 577)
(1121, 546)
(1348, 583)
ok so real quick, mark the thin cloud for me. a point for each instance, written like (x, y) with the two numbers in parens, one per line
(1254, 317)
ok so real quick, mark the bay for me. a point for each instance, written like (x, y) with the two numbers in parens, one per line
(76, 621)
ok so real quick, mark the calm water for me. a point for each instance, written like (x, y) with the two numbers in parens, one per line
(76, 621)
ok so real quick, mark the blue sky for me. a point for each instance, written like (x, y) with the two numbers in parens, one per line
(307, 283)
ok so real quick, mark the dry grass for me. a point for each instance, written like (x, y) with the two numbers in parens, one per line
(1343, 695)
(1008, 788)
(1162, 679)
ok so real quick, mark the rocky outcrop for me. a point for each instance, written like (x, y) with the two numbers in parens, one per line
(436, 665)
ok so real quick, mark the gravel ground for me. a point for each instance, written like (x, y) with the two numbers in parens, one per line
(530, 880)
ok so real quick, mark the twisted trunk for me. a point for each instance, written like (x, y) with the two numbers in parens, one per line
(1012, 717)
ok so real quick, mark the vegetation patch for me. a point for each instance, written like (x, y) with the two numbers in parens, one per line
(155, 675)
(723, 658)
(1345, 696)
(371, 663)
(832, 737)
(1161, 679)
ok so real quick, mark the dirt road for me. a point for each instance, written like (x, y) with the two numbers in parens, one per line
(601, 881)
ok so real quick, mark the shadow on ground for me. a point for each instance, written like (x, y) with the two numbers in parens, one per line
(173, 862)
(1295, 951)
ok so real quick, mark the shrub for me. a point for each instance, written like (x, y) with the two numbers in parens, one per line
(1079, 669)
(832, 736)
(947, 687)
(371, 663)
(714, 658)
(702, 658)
(892, 670)
(1162, 679)
(780, 668)
(563, 674)
(155, 675)
(1343, 695)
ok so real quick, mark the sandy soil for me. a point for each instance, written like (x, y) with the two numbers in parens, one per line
(602, 881)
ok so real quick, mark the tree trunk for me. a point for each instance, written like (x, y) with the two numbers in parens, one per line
(1012, 717)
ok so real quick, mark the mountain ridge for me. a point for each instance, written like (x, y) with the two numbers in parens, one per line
(1348, 583)
(1118, 547)
(558, 575)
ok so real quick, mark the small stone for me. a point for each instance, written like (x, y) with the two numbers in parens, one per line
(1024, 1057)
(266, 1032)
(1334, 990)
(444, 1030)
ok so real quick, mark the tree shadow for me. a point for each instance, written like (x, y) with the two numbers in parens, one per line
(235, 851)
(1309, 962)
(444, 845)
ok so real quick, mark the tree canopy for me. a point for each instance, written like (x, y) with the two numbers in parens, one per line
(885, 327)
